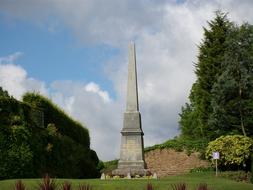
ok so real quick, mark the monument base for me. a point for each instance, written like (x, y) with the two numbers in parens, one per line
(130, 167)
(132, 172)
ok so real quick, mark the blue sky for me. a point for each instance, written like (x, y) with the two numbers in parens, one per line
(55, 55)
(75, 53)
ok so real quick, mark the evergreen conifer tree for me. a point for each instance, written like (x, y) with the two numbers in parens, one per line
(208, 69)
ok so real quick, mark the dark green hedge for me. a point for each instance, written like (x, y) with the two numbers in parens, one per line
(53, 114)
(29, 150)
(251, 168)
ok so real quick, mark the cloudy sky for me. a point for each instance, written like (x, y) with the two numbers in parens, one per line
(75, 53)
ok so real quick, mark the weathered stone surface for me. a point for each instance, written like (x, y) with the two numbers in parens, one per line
(132, 88)
(102, 176)
(154, 176)
(133, 172)
(132, 122)
(131, 150)
(170, 162)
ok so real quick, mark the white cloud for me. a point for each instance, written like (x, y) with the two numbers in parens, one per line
(166, 35)
(93, 87)
(14, 79)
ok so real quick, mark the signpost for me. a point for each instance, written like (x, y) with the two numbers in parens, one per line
(216, 156)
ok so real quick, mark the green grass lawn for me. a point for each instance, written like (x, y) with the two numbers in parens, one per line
(192, 181)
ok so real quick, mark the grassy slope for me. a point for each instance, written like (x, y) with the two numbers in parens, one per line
(192, 181)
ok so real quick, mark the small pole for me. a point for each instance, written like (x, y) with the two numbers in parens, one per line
(216, 164)
(216, 156)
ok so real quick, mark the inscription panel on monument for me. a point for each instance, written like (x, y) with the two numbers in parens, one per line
(131, 148)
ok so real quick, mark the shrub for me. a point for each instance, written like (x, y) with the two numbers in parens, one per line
(85, 187)
(202, 186)
(201, 169)
(179, 186)
(66, 186)
(109, 166)
(47, 184)
(251, 167)
(100, 165)
(239, 176)
(234, 149)
(19, 185)
(150, 186)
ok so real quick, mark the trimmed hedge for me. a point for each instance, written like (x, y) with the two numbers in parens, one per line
(251, 179)
(28, 149)
(53, 114)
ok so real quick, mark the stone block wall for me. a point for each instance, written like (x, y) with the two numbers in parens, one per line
(170, 162)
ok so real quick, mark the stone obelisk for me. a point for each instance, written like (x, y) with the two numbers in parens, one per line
(131, 150)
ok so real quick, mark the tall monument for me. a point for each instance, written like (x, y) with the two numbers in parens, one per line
(132, 149)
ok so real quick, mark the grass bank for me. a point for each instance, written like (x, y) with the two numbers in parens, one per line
(192, 180)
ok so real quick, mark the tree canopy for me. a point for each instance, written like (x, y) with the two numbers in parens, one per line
(221, 99)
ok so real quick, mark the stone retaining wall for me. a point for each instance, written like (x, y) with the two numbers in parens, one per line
(170, 162)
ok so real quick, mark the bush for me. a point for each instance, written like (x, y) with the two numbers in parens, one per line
(109, 166)
(179, 186)
(239, 176)
(47, 184)
(234, 150)
(66, 186)
(19, 185)
(251, 167)
(85, 187)
(201, 169)
(202, 186)
(150, 186)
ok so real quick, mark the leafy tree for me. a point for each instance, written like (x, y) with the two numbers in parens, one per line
(235, 150)
(232, 100)
(189, 122)
(4, 93)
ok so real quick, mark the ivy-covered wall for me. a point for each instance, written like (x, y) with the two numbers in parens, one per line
(36, 137)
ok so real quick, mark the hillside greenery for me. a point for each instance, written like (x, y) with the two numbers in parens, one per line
(181, 144)
(36, 137)
(109, 166)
